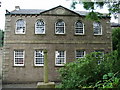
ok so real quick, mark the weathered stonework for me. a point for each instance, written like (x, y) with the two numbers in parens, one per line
(49, 41)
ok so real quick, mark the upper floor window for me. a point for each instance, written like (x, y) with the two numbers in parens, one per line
(19, 58)
(20, 26)
(60, 27)
(79, 28)
(38, 58)
(97, 28)
(60, 58)
(40, 27)
(80, 54)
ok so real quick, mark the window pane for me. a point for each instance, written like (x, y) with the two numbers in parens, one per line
(100, 52)
(39, 60)
(40, 23)
(60, 57)
(39, 27)
(60, 26)
(79, 28)
(79, 24)
(20, 26)
(97, 28)
(60, 23)
(99, 55)
(39, 57)
(39, 53)
(18, 57)
(19, 60)
(59, 29)
(60, 61)
(80, 54)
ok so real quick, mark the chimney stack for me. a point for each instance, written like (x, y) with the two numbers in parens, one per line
(17, 7)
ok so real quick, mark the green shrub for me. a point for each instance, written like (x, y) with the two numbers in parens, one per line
(86, 72)
(108, 81)
(1, 38)
(116, 38)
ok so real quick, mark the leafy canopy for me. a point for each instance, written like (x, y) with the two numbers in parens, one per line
(92, 5)
(1, 38)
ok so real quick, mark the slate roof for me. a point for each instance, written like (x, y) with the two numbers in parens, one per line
(27, 11)
(39, 11)
(115, 25)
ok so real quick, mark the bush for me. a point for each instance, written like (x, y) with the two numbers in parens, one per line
(87, 71)
(109, 81)
(1, 38)
(116, 38)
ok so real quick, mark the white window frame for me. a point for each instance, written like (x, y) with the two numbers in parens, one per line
(39, 27)
(79, 57)
(59, 27)
(79, 28)
(56, 52)
(38, 57)
(19, 57)
(100, 26)
(23, 27)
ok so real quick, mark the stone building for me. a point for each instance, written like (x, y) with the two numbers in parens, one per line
(119, 18)
(66, 34)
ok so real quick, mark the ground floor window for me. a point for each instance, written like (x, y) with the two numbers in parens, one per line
(60, 58)
(38, 58)
(80, 54)
(99, 55)
(19, 57)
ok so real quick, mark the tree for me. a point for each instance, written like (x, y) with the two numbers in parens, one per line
(116, 38)
(0, 4)
(86, 72)
(113, 7)
(1, 38)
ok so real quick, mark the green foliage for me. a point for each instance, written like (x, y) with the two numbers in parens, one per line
(116, 41)
(113, 7)
(94, 16)
(109, 81)
(86, 71)
(116, 38)
(88, 5)
(1, 38)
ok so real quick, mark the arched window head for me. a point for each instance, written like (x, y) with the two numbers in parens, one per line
(40, 27)
(79, 28)
(97, 27)
(60, 27)
(20, 26)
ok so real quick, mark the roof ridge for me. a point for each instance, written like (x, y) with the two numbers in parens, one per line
(40, 11)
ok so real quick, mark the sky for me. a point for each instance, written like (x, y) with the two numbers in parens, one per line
(37, 4)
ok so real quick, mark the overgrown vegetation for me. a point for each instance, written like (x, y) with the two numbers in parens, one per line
(95, 70)
(1, 38)
(89, 71)
(116, 39)
(92, 5)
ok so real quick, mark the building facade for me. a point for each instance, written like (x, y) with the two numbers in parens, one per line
(65, 34)
(119, 18)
